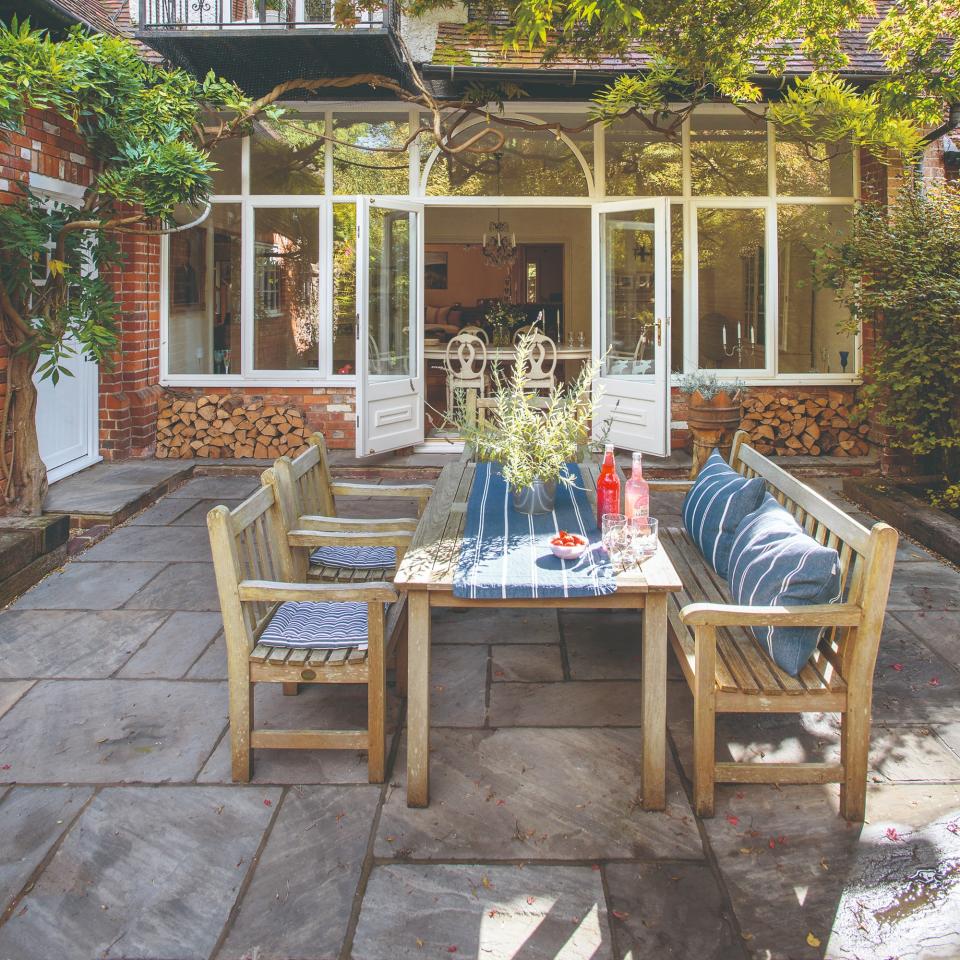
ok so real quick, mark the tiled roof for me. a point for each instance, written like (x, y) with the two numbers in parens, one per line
(92, 13)
(469, 45)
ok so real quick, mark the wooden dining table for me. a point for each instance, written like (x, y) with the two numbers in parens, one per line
(426, 576)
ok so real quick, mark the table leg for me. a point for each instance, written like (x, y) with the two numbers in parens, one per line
(654, 705)
(418, 699)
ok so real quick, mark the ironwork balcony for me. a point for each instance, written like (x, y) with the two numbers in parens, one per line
(260, 43)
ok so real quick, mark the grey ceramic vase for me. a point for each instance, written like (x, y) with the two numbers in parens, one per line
(539, 497)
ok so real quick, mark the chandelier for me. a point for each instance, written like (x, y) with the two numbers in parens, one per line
(499, 244)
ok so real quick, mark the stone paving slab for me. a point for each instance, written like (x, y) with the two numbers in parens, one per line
(170, 544)
(11, 691)
(174, 647)
(145, 873)
(886, 889)
(602, 645)
(925, 586)
(458, 679)
(526, 663)
(478, 912)
(180, 586)
(939, 630)
(71, 643)
(107, 488)
(196, 516)
(32, 819)
(163, 512)
(89, 586)
(535, 794)
(299, 902)
(212, 663)
(670, 910)
(584, 703)
(317, 706)
(482, 625)
(230, 488)
(110, 731)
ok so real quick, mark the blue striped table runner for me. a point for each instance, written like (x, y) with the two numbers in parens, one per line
(505, 554)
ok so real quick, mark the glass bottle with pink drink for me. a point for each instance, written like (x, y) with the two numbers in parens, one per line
(637, 493)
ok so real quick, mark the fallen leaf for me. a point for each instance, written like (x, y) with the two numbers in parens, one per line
(419, 943)
(530, 900)
(732, 820)
(267, 802)
(953, 827)
(746, 936)
(896, 666)
(619, 914)
(771, 843)
(891, 834)
(485, 882)
(746, 850)
(451, 949)
(824, 864)
(934, 681)
(739, 794)
(5, 766)
(812, 940)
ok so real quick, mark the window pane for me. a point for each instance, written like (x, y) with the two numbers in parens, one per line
(728, 155)
(390, 276)
(286, 288)
(203, 333)
(628, 293)
(809, 338)
(676, 288)
(530, 163)
(344, 287)
(227, 156)
(641, 162)
(359, 170)
(731, 288)
(814, 169)
(287, 157)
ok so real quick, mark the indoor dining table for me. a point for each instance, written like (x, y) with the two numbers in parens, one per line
(508, 354)
(426, 576)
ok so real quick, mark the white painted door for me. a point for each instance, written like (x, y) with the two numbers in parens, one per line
(631, 324)
(68, 420)
(390, 382)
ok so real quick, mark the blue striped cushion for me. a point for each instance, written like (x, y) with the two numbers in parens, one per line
(774, 562)
(319, 626)
(356, 558)
(714, 507)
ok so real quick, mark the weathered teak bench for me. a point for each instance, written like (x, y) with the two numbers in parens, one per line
(256, 571)
(729, 672)
(306, 494)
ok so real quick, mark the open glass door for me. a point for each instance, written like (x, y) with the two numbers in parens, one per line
(389, 334)
(631, 324)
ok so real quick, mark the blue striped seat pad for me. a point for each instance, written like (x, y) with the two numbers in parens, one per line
(774, 562)
(714, 507)
(317, 625)
(356, 558)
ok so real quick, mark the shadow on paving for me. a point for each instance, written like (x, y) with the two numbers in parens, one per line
(123, 835)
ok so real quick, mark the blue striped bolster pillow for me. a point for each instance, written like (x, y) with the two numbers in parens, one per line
(356, 558)
(773, 562)
(317, 625)
(714, 507)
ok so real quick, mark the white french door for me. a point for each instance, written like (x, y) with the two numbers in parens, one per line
(390, 381)
(631, 324)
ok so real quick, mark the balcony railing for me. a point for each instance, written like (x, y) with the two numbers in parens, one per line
(233, 15)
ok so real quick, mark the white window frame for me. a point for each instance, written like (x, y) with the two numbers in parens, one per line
(419, 171)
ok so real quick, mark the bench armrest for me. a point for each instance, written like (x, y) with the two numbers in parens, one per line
(813, 615)
(350, 538)
(418, 491)
(670, 486)
(274, 592)
(359, 524)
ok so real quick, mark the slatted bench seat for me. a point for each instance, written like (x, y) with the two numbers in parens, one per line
(728, 671)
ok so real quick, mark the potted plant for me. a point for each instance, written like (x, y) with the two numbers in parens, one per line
(502, 319)
(533, 437)
(714, 412)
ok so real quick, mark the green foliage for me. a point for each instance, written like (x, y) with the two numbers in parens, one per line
(528, 440)
(143, 128)
(708, 384)
(901, 266)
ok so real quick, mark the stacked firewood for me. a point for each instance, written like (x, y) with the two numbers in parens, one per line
(812, 424)
(220, 426)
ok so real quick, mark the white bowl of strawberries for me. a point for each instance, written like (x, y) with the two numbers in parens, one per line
(568, 546)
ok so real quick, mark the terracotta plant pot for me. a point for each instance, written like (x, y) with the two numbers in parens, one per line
(712, 424)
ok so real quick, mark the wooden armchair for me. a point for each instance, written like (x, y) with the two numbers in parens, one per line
(340, 633)
(306, 496)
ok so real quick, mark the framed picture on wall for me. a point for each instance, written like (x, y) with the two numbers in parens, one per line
(435, 270)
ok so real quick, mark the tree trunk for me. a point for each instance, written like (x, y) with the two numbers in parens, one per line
(29, 485)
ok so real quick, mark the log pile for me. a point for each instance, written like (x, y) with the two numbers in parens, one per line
(803, 425)
(221, 426)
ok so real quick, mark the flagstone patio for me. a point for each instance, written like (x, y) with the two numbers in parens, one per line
(122, 835)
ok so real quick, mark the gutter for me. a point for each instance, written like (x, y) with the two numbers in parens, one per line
(577, 76)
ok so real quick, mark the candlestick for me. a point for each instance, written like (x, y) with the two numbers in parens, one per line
(724, 334)
(753, 334)
(739, 331)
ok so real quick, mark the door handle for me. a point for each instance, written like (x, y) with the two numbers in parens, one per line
(658, 325)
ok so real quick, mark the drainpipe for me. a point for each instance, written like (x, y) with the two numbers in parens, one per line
(951, 123)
